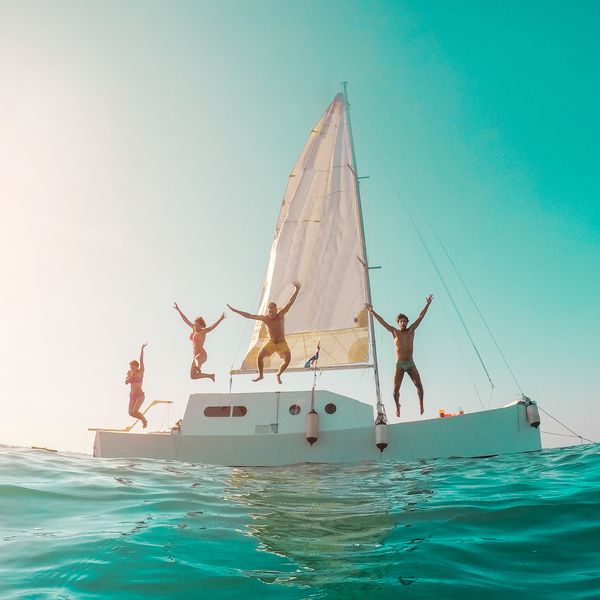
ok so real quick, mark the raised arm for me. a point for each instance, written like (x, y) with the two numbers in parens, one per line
(142, 356)
(185, 319)
(292, 299)
(380, 319)
(207, 329)
(423, 312)
(245, 314)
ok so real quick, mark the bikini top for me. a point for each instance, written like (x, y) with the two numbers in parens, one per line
(137, 379)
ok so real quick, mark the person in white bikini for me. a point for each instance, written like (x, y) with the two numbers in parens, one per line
(403, 342)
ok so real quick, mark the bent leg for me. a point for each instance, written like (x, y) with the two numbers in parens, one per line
(260, 359)
(286, 356)
(196, 370)
(134, 409)
(398, 377)
(413, 373)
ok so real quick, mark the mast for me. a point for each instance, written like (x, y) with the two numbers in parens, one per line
(364, 245)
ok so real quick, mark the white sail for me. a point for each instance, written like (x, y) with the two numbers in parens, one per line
(318, 242)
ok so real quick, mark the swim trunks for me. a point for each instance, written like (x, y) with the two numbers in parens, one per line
(280, 347)
(405, 365)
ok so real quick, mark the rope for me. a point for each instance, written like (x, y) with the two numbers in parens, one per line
(439, 274)
(575, 434)
(562, 435)
(441, 278)
(433, 262)
(472, 300)
(462, 354)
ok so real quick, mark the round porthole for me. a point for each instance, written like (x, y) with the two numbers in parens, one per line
(330, 408)
(294, 409)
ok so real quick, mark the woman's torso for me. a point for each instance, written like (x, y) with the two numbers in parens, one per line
(136, 379)
(197, 338)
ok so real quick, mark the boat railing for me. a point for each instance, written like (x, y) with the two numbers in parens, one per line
(130, 427)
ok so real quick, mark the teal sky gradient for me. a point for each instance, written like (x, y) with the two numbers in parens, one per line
(145, 149)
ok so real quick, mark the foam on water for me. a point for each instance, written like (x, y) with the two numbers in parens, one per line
(76, 527)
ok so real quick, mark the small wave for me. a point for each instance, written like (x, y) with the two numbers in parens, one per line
(76, 527)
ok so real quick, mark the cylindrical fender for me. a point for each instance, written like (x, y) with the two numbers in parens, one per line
(533, 415)
(381, 436)
(312, 427)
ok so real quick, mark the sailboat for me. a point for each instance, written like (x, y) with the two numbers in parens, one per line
(319, 240)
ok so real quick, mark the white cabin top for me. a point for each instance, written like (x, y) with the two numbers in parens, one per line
(271, 412)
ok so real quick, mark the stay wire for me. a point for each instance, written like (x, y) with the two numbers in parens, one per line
(563, 425)
(434, 263)
(462, 353)
(472, 300)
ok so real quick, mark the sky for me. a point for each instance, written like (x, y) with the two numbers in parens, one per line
(145, 149)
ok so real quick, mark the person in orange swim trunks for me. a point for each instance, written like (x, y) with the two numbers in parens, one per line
(273, 321)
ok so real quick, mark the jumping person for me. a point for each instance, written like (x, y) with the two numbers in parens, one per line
(403, 341)
(135, 377)
(273, 321)
(198, 336)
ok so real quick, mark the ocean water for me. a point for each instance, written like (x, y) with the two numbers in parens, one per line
(506, 527)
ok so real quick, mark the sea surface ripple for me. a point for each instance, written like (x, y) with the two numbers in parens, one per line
(74, 527)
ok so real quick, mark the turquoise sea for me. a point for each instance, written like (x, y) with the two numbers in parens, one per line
(522, 526)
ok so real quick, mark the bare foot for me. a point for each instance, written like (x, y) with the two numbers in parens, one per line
(421, 407)
(144, 424)
(258, 378)
(212, 377)
(397, 410)
(278, 377)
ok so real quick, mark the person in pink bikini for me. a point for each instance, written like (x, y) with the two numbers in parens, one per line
(198, 337)
(403, 342)
(135, 377)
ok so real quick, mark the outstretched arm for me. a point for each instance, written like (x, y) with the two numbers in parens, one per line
(292, 299)
(142, 356)
(185, 319)
(423, 312)
(380, 319)
(207, 329)
(245, 314)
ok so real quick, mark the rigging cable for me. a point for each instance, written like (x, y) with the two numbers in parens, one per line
(473, 301)
(401, 199)
(441, 277)
(563, 425)
(462, 353)
(435, 266)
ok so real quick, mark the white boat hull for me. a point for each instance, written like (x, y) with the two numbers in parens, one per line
(268, 435)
